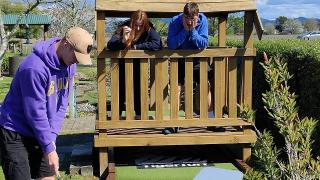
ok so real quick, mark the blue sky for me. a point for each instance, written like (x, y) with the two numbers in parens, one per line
(271, 9)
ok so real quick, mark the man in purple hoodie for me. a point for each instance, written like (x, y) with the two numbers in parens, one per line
(35, 106)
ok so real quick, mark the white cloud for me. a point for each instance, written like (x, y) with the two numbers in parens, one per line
(289, 10)
(262, 2)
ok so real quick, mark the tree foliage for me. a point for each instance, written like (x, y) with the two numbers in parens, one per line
(235, 25)
(280, 22)
(280, 104)
(293, 26)
(311, 25)
(70, 13)
(269, 28)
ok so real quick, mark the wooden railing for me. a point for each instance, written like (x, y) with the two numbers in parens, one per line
(225, 85)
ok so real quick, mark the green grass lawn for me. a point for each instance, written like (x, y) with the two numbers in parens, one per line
(132, 173)
(4, 87)
(63, 175)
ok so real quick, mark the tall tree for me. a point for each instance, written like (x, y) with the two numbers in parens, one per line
(269, 28)
(69, 13)
(293, 26)
(311, 25)
(4, 36)
(280, 22)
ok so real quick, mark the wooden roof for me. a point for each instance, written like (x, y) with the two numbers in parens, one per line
(168, 8)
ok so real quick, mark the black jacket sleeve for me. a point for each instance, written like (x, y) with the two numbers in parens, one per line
(115, 43)
(153, 42)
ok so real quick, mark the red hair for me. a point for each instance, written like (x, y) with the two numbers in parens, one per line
(141, 18)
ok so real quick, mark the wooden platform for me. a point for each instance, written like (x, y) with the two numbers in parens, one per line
(186, 136)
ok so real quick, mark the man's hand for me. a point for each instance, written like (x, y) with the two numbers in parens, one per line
(194, 23)
(53, 161)
(125, 33)
(185, 25)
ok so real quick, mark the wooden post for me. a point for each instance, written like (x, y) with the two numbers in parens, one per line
(220, 70)
(102, 97)
(247, 74)
(45, 31)
(101, 66)
(222, 43)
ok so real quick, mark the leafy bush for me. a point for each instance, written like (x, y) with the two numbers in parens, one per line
(298, 162)
(5, 62)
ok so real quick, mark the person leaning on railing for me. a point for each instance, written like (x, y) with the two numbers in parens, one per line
(188, 30)
(136, 33)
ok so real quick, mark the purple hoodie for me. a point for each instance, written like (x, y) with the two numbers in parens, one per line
(36, 103)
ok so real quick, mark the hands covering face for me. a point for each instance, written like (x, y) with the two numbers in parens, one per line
(190, 22)
(125, 33)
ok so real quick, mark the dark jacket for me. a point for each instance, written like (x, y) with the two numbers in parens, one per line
(149, 40)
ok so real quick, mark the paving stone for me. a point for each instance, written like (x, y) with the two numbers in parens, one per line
(86, 171)
(74, 170)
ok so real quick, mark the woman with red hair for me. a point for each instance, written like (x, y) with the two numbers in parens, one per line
(135, 33)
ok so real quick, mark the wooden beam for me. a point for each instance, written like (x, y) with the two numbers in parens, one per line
(222, 40)
(176, 139)
(171, 123)
(247, 75)
(101, 67)
(258, 25)
(163, 7)
(166, 53)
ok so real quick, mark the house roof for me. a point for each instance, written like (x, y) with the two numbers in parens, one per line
(31, 19)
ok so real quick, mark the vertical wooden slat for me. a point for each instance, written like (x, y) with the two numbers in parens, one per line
(232, 96)
(247, 74)
(115, 89)
(174, 89)
(188, 92)
(218, 87)
(203, 88)
(222, 43)
(159, 88)
(152, 85)
(165, 67)
(101, 67)
(129, 89)
(144, 88)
